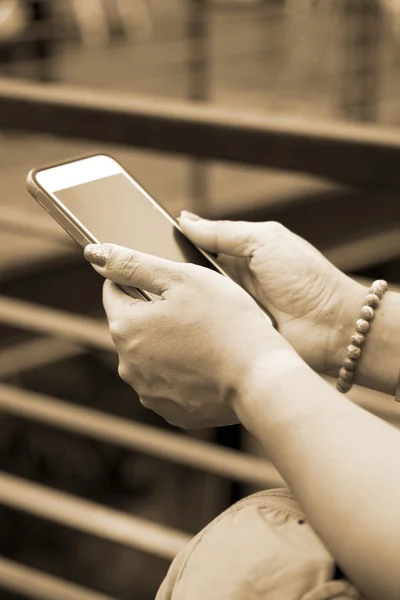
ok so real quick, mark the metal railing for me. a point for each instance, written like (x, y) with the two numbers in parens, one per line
(364, 157)
(352, 154)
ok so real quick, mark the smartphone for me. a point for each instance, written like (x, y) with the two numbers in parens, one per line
(95, 200)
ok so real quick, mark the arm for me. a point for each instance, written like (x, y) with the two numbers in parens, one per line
(314, 303)
(341, 462)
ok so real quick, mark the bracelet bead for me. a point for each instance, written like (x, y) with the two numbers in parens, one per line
(353, 352)
(383, 285)
(362, 326)
(372, 300)
(344, 386)
(349, 364)
(346, 375)
(357, 339)
(367, 313)
(379, 288)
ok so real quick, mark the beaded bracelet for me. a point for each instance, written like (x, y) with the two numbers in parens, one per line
(362, 326)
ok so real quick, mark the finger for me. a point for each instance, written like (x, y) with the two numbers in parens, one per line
(134, 269)
(237, 238)
(115, 301)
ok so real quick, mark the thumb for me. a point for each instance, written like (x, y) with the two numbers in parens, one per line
(236, 238)
(130, 268)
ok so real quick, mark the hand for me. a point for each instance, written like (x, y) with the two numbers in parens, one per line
(313, 302)
(187, 353)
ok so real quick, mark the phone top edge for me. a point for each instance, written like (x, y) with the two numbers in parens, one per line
(67, 161)
(30, 182)
(71, 225)
(77, 172)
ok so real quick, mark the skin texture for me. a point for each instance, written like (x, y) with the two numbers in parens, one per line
(204, 355)
(154, 340)
(313, 302)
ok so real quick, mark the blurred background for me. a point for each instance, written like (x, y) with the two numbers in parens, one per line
(75, 442)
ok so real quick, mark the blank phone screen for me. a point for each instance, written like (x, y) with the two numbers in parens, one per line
(114, 210)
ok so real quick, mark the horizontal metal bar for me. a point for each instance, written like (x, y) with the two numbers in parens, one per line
(12, 221)
(137, 436)
(366, 251)
(42, 352)
(31, 583)
(33, 354)
(91, 518)
(355, 255)
(352, 154)
(84, 331)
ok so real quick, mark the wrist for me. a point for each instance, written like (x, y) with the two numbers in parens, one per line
(380, 359)
(378, 366)
(348, 308)
(263, 376)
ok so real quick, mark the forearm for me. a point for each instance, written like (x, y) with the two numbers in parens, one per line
(340, 462)
(379, 365)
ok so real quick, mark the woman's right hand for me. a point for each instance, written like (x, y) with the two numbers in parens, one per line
(313, 302)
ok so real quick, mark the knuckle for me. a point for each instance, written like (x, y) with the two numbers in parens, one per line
(274, 229)
(125, 328)
(145, 402)
(124, 371)
(129, 267)
(250, 236)
(116, 331)
(217, 228)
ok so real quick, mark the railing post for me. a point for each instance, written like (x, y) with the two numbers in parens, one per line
(361, 43)
(42, 12)
(199, 88)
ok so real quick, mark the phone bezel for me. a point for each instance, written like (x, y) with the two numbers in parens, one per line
(85, 237)
(76, 230)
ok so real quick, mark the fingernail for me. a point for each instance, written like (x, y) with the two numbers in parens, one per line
(185, 214)
(97, 254)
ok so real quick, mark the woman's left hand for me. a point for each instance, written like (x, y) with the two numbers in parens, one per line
(186, 354)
